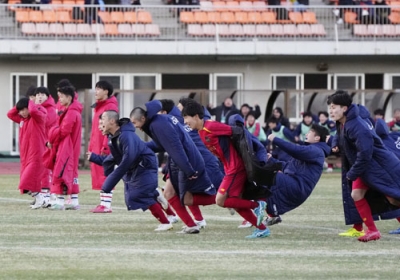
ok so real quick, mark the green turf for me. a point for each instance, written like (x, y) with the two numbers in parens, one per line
(41, 244)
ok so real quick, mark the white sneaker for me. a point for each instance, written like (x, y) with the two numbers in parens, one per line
(164, 227)
(39, 201)
(245, 224)
(190, 230)
(329, 170)
(339, 21)
(162, 200)
(201, 224)
(172, 219)
(232, 211)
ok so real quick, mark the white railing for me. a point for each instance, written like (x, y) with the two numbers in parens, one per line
(199, 23)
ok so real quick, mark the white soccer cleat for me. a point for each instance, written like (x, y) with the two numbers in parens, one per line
(245, 224)
(201, 224)
(172, 219)
(162, 200)
(164, 227)
(329, 170)
(190, 230)
(39, 201)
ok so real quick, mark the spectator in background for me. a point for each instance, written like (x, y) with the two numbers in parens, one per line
(280, 117)
(303, 128)
(91, 12)
(30, 93)
(339, 13)
(224, 111)
(394, 125)
(326, 122)
(379, 114)
(382, 12)
(282, 132)
(245, 109)
(254, 127)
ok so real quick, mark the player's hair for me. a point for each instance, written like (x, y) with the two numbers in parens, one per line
(44, 90)
(22, 103)
(137, 113)
(380, 112)
(63, 83)
(272, 120)
(325, 113)
(105, 86)
(185, 100)
(167, 105)
(307, 114)
(341, 98)
(112, 115)
(68, 90)
(193, 108)
(31, 91)
(320, 131)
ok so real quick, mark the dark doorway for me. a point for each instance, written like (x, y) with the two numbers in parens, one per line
(79, 81)
(315, 81)
(185, 81)
(373, 81)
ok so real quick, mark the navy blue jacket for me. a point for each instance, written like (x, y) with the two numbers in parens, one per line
(391, 140)
(299, 175)
(365, 156)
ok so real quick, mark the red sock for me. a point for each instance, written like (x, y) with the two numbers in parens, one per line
(195, 209)
(249, 216)
(358, 227)
(365, 213)
(235, 202)
(203, 199)
(330, 165)
(181, 211)
(157, 212)
(169, 211)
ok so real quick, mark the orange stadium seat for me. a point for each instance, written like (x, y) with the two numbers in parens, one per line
(309, 17)
(49, 16)
(130, 17)
(22, 16)
(249, 30)
(186, 17)
(144, 17)
(200, 17)
(254, 17)
(227, 17)
(117, 17)
(350, 17)
(195, 30)
(104, 16)
(152, 30)
(395, 6)
(394, 18)
(35, 16)
(111, 29)
(296, 17)
(214, 17)
(241, 17)
(268, 17)
(263, 30)
(63, 16)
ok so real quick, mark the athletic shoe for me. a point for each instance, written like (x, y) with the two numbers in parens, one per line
(172, 219)
(396, 231)
(329, 170)
(190, 230)
(232, 211)
(46, 202)
(56, 207)
(352, 232)
(245, 224)
(164, 227)
(259, 233)
(270, 221)
(162, 200)
(259, 211)
(370, 236)
(72, 207)
(201, 224)
(101, 209)
(33, 202)
(39, 200)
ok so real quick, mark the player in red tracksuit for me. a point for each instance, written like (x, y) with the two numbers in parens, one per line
(105, 101)
(31, 118)
(216, 137)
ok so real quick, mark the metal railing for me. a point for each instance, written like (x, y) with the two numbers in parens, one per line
(199, 23)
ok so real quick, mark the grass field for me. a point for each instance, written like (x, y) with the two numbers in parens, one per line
(41, 244)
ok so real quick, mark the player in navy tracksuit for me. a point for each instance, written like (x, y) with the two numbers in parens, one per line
(194, 186)
(136, 166)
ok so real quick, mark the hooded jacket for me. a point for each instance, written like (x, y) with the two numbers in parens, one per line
(222, 111)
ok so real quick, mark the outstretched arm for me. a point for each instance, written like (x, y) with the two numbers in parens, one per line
(306, 153)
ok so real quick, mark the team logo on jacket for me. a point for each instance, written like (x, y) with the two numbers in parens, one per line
(21, 124)
(397, 143)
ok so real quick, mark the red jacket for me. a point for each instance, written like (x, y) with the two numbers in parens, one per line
(51, 120)
(63, 157)
(98, 142)
(32, 141)
(216, 137)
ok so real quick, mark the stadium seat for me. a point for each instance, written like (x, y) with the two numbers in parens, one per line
(259, 6)
(22, 16)
(63, 16)
(394, 18)
(397, 30)
(290, 30)
(228, 17)
(186, 17)
(125, 29)
(375, 30)
(309, 17)
(268, 17)
(111, 29)
(56, 29)
(35, 16)
(195, 30)
(263, 30)
(304, 30)
(350, 17)
(209, 30)
(28, 28)
(200, 17)
(219, 6)
(223, 30)
(318, 30)
(117, 17)
(42, 29)
(249, 30)
(152, 30)
(130, 17)
(206, 6)
(84, 29)
(296, 17)
(57, 5)
(70, 29)
(104, 16)
(395, 6)
(144, 17)
(98, 28)
(277, 30)
(241, 17)
(246, 5)
(389, 30)
(214, 17)
(236, 30)
(49, 16)
(68, 5)
(254, 17)
(138, 29)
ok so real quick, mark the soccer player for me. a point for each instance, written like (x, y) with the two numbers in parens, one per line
(31, 118)
(216, 137)
(194, 187)
(136, 166)
(44, 98)
(65, 145)
(369, 165)
(105, 101)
